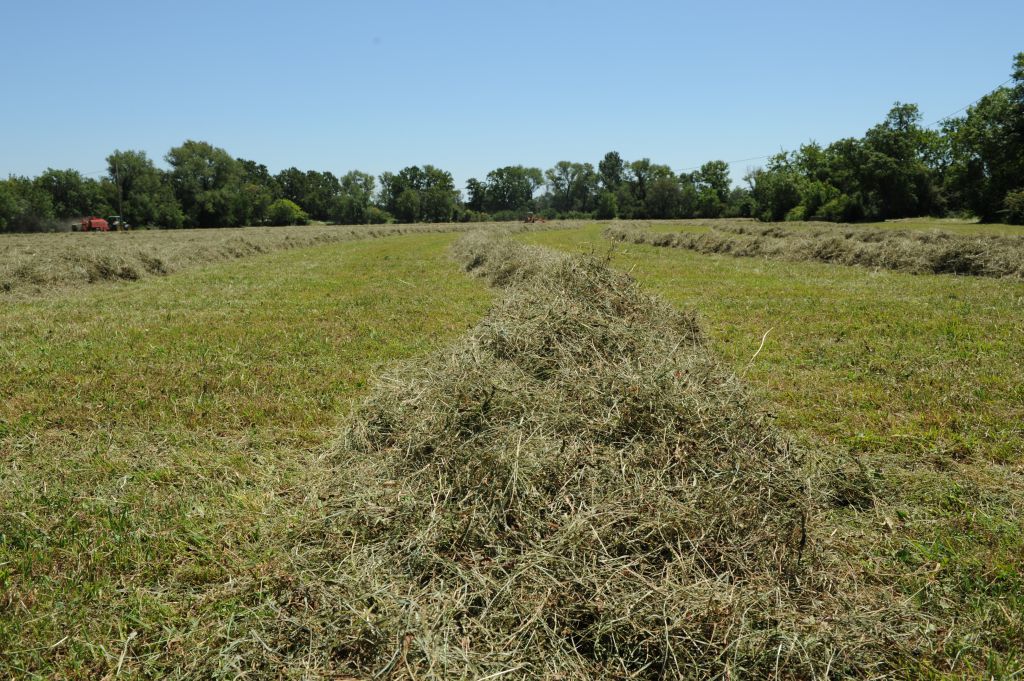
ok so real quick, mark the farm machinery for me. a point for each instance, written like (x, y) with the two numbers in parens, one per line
(95, 224)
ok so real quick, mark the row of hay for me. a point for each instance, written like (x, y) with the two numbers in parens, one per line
(31, 263)
(576, 489)
(917, 252)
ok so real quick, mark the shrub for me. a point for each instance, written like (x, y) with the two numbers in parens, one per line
(797, 214)
(285, 212)
(1014, 204)
(377, 216)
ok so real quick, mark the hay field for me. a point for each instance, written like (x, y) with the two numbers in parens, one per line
(31, 264)
(334, 462)
(920, 377)
(917, 251)
(154, 439)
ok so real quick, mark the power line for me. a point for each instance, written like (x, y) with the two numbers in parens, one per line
(930, 125)
(966, 106)
(732, 163)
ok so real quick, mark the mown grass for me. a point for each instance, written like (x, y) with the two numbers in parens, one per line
(31, 264)
(153, 436)
(157, 438)
(952, 225)
(922, 378)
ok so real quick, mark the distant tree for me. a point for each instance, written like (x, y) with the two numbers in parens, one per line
(323, 190)
(573, 186)
(285, 212)
(776, 189)
(987, 150)
(207, 182)
(611, 170)
(637, 179)
(607, 206)
(8, 205)
(416, 193)
(24, 206)
(511, 188)
(140, 191)
(664, 198)
(71, 194)
(407, 206)
(476, 192)
(714, 175)
(259, 190)
(353, 205)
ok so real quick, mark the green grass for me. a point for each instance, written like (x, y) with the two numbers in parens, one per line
(154, 435)
(921, 377)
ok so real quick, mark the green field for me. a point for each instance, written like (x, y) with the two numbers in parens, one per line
(158, 437)
(922, 377)
(153, 435)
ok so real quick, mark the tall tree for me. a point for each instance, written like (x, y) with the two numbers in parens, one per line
(140, 191)
(987, 150)
(207, 182)
(511, 188)
(71, 194)
(611, 170)
(573, 186)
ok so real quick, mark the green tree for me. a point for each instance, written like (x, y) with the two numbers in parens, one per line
(407, 206)
(607, 206)
(476, 192)
(511, 189)
(140, 192)
(24, 206)
(986, 149)
(572, 186)
(207, 182)
(611, 169)
(664, 198)
(416, 193)
(71, 194)
(714, 176)
(353, 205)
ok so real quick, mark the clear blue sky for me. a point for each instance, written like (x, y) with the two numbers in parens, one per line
(471, 86)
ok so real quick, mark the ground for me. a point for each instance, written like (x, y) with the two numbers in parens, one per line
(154, 433)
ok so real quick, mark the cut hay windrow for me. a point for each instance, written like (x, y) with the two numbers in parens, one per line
(33, 263)
(576, 489)
(915, 252)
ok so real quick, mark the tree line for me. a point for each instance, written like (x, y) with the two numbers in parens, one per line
(972, 164)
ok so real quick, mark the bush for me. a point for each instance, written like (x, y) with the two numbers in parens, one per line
(841, 209)
(376, 216)
(1014, 204)
(797, 214)
(508, 216)
(285, 212)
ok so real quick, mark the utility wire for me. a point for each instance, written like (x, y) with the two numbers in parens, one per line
(930, 125)
(966, 106)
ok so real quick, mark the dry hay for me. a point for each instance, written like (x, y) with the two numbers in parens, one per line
(577, 489)
(916, 252)
(33, 263)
